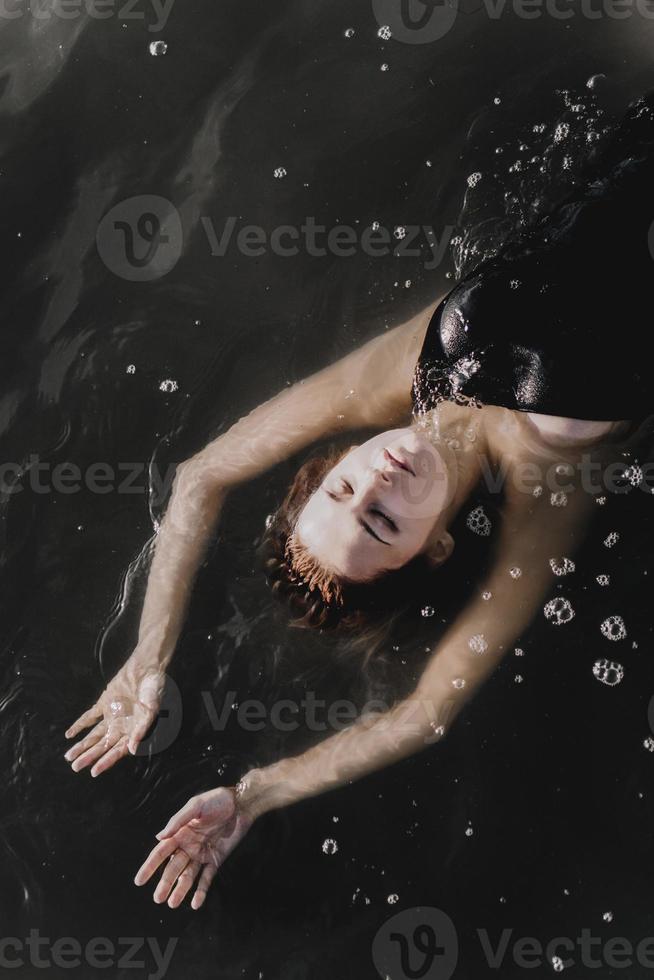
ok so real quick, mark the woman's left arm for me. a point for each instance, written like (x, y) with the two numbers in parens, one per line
(533, 532)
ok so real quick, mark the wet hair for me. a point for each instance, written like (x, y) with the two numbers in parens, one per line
(317, 597)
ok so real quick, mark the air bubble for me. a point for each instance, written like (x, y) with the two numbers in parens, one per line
(537, 491)
(384, 67)
(459, 683)
(649, 744)
(157, 48)
(399, 232)
(519, 652)
(562, 566)
(478, 643)
(515, 572)
(561, 132)
(478, 522)
(559, 611)
(349, 32)
(557, 964)
(634, 475)
(608, 672)
(130, 369)
(329, 846)
(487, 595)
(608, 917)
(614, 628)
(518, 678)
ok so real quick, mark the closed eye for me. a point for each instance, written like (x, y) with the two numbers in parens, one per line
(387, 520)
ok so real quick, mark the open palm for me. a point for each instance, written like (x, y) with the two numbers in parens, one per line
(120, 718)
(194, 843)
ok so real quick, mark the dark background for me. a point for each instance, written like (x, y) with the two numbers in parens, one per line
(551, 774)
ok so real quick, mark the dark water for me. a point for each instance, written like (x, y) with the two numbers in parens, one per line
(551, 774)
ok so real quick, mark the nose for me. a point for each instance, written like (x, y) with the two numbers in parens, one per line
(380, 476)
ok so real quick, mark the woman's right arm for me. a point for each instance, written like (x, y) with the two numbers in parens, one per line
(369, 387)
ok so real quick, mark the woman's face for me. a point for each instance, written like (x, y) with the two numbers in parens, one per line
(378, 507)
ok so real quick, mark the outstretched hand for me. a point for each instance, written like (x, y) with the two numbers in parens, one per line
(195, 842)
(120, 718)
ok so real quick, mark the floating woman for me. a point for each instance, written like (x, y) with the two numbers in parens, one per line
(530, 366)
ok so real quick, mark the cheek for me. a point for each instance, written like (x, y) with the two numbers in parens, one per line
(419, 499)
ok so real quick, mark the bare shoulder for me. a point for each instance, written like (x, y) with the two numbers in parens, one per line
(385, 367)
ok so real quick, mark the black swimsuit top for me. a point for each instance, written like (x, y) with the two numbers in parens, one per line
(560, 323)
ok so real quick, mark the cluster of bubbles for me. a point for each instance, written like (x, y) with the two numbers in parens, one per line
(279, 172)
(559, 499)
(562, 566)
(515, 572)
(608, 672)
(559, 611)
(329, 846)
(427, 611)
(168, 385)
(393, 899)
(612, 539)
(157, 48)
(529, 172)
(614, 628)
(557, 964)
(603, 580)
(478, 643)
(478, 522)
(649, 743)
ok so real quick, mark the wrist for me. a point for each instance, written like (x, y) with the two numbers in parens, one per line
(252, 794)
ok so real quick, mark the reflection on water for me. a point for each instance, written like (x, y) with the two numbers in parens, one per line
(267, 117)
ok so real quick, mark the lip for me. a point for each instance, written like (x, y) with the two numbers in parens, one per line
(400, 464)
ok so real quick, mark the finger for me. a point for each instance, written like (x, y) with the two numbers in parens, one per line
(91, 756)
(172, 871)
(110, 758)
(155, 858)
(207, 876)
(84, 721)
(189, 811)
(86, 743)
(184, 884)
